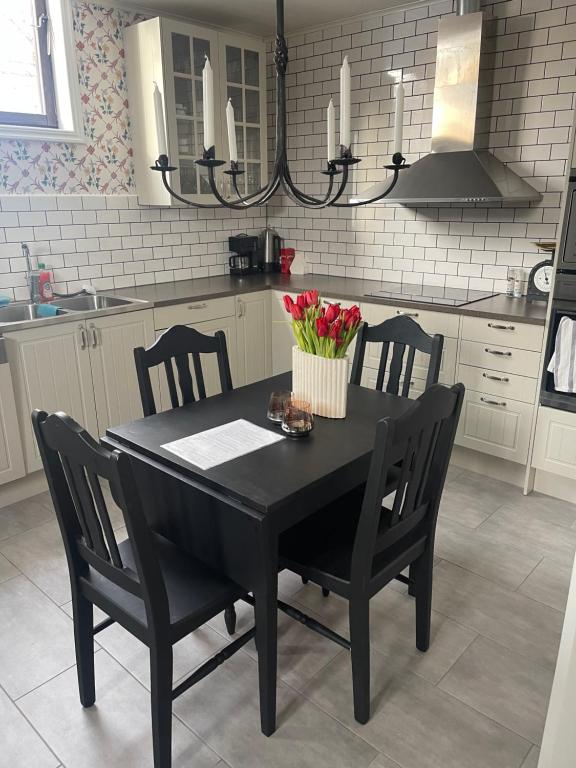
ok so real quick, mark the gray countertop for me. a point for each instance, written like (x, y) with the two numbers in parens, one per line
(499, 307)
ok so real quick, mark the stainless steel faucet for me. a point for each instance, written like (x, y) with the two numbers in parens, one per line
(33, 289)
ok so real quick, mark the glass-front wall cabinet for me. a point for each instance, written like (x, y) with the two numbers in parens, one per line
(238, 64)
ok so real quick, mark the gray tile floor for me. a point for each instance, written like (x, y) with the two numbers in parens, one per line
(477, 699)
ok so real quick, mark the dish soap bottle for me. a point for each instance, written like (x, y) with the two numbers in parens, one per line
(45, 290)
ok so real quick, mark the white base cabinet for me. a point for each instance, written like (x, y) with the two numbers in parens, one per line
(253, 337)
(11, 456)
(85, 369)
(555, 442)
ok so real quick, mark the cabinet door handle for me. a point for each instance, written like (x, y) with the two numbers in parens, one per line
(240, 308)
(203, 305)
(497, 352)
(503, 379)
(487, 400)
(407, 314)
(500, 327)
(94, 336)
(83, 341)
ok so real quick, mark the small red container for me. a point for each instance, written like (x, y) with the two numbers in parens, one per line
(287, 256)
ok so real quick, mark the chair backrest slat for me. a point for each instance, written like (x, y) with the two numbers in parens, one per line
(75, 465)
(415, 449)
(402, 332)
(174, 347)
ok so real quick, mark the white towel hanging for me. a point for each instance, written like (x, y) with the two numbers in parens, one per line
(563, 362)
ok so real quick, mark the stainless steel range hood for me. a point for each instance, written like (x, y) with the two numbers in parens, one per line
(457, 170)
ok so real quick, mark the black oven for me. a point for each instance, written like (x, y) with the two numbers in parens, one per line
(563, 305)
(567, 252)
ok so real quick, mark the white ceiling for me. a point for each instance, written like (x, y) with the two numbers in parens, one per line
(259, 16)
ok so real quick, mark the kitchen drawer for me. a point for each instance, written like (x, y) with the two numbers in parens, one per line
(192, 312)
(421, 361)
(503, 332)
(432, 322)
(507, 385)
(494, 425)
(500, 358)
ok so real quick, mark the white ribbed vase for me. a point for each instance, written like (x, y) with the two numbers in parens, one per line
(321, 381)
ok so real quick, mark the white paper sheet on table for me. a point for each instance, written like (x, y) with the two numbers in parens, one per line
(220, 444)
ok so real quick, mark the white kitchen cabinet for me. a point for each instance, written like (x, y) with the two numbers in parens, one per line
(11, 455)
(494, 425)
(253, 337)
(555, 442)
(282, 336)
(51, 371)
(172, 54)
(112, 341)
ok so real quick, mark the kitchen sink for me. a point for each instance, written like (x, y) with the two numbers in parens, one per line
(18, 313)
(91, 303)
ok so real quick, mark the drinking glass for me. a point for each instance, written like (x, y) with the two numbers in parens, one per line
(276, 405)
(298, 420)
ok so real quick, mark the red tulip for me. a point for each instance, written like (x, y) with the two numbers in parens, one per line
(288, 303)
(312, 298)
(322, 327)
(301, 301)
(351, 317)
(335, 329)
(332, 312)
(297, 312)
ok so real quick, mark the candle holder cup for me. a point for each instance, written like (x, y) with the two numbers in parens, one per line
(208, 159)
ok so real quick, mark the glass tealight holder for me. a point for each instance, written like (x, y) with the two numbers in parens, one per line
(298, 420)
(277, 405)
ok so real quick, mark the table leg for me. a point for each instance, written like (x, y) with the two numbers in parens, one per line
(266, 616)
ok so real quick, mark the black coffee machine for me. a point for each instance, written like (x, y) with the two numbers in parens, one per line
(245, 254)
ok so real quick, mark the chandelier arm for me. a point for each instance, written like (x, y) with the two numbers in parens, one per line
(266, 192)
(373, 199)
(181, 199)
(311, 202)
(270, 190)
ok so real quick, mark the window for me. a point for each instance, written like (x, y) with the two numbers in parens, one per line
(39, 95)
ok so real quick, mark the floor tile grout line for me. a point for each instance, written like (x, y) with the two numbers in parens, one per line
(530, 574)
(35, 730)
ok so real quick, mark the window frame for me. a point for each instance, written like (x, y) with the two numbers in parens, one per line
(65, 118)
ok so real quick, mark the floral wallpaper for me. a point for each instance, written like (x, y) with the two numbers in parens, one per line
(104, 164)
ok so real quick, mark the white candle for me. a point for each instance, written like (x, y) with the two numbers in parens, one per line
(208, 102)
(331, 129)
(231, 132)
(345, 103)
(399, 117)
(160, 126)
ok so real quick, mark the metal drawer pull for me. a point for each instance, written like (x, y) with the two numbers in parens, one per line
(493, 402)
(198, 306)
(407, 314)
(497, 352)
(83, 341)
(94, 336)
(503, 379)
(502, 327)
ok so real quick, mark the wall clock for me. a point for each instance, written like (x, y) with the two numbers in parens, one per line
(540, 281)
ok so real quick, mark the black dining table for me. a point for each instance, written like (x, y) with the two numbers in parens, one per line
(231, 515)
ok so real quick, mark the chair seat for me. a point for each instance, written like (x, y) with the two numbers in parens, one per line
(195, 592)
(321, 545)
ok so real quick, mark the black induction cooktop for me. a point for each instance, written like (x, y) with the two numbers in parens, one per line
(429, 294)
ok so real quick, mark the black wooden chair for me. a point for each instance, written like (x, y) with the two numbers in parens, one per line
(356, 546)
(145, 583)
(402, 332)
(174, 347)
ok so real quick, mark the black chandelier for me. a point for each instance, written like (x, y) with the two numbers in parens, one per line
(281, 177)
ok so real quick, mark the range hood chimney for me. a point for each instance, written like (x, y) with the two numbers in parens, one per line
(456, 170)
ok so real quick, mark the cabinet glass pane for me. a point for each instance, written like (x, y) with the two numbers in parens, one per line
(181, 53)
(199, 94)
(233, 64)
(183, 96)
(240, 140)
(241, 179)
(251, 68)
(201, 50)
(186, 144)
(200, 137)
(252, 106)
(252, 144)
(252, 177)
(188, 184)
(204, 185)
(236, 95)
